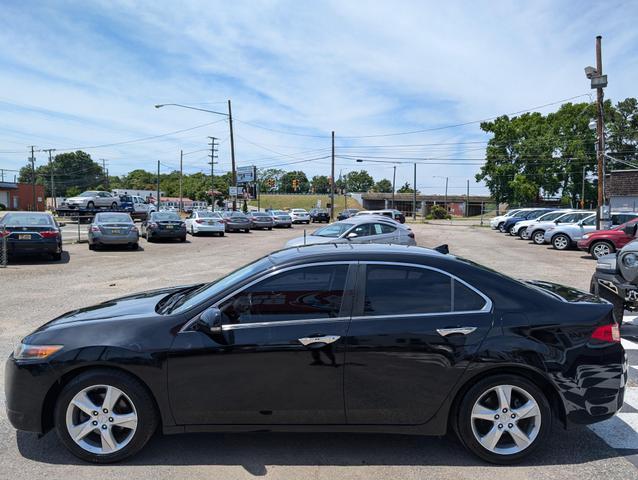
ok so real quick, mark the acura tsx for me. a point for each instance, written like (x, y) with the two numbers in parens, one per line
(360, 338)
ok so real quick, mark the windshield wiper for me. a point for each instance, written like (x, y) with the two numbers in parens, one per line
(169, 302)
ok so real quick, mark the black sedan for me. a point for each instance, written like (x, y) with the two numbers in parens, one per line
(325, 338)
(164, 225)
(319, 215)
(347, 213)
(29, 233)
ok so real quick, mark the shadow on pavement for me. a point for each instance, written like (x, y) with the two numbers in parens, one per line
(256, 451)
(37, 259)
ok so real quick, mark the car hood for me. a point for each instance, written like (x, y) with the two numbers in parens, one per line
(78, 199)
(310, 240)
(137, 305)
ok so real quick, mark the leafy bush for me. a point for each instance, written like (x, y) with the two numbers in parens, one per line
(437, 212)
(2, 207)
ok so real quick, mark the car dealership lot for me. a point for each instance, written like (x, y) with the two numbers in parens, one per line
(34, 291)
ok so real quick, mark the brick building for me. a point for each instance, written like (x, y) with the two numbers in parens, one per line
(19, 196)
(621, 188)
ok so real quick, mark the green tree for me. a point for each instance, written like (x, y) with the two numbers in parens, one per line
(405, 188)
(320, 184)
(286, 185)
(383, 186)
(358, 181)
(264, 176)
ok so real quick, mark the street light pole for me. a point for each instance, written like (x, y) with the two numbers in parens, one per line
(394, 176)
(232, 154)
(414, 195)
(332, 180)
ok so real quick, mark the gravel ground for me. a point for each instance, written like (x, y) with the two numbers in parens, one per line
(34, 291)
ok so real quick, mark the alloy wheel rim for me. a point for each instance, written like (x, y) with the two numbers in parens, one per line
(601, 249)
(539, 237)
(560, 242)
(101, 419)
(505, 419)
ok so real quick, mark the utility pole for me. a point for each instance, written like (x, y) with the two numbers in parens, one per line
(32, 160)
(414, 195)
(212, 157)
(55, 202)
(232, 154)
(181, 173)
(582, 195)
(105, 174)
(467, 199)
(158, 185)
(446, 180)
(332, 180)
(394, 176)
(601, 134)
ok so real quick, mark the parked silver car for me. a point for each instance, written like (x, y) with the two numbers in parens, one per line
(359, 229)
(520, 228)
(94, 199)
(260, 220)
(565, 235)
(112, 228)
(280, 218)
(236, 221)
(536, 231)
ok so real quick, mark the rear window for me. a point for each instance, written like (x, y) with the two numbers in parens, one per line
(113, 217)
(161, 216)
(27, 219)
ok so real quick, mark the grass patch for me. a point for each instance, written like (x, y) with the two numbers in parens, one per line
(283, 202)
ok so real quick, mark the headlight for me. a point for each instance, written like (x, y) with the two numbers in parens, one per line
(586, 236)
(25, 351)
(630, 260)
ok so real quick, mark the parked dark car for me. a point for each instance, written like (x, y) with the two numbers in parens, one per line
(164, 225)
(236, 222)
(319, 215)
(347, 213)
(31, 233)
(260, 220)
(433, 342)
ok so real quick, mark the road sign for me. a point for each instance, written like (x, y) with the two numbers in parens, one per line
(246, 174)
(232, 191)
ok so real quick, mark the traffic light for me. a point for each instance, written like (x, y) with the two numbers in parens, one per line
(295, 184)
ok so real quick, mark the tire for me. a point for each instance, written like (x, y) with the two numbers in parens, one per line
(522, 232)
(135, 246)
(57, 256)
(532, 429)
(269, 228)
(511, 231)
(599, 249)
(182, 239)
(91, 246)
(221, 234)
(132, 398)
(90, 205)
(500, 227)
(538, 237)
(561, 241)
(114, 206)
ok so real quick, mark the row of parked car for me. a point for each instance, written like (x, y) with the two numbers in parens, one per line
(568, 228)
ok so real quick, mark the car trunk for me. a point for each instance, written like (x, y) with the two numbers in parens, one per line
(115, 228)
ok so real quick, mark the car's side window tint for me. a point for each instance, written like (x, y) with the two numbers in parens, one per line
(397, 290)
(363, 230)
(465, 299)
(590, 221)
(385, 228)
(304, 293)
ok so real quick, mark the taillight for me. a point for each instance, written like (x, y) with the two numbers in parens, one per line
(152, 225)
(607, 333)
(199, 220)
(95, 228)
(4, 233)
(49, 234)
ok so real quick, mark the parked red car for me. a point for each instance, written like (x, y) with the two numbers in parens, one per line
(604, 242)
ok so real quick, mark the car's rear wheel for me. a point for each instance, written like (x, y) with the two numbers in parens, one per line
(104, 416)
(522, 232)
(90, 205)
(600, 249)
(538, 237)
(503, 418)
(501, 227)
(114, 206)
(135, 246)
(561, 241)
(56, 256)
(511, 231)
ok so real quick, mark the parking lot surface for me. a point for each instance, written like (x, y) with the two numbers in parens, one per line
(36, 290)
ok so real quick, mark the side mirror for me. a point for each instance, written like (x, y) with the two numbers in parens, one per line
(351, 235)
(556, 222)
(210, 321)
(630, 229)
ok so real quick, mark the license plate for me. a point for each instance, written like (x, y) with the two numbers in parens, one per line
(24, 236)
(169, 227)
(210, 222)
(116, 231)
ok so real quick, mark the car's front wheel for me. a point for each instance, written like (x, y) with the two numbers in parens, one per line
(561, 241)
(600, 249)
(538, 237)
(522, 232)
(104, 416)
(503, 418)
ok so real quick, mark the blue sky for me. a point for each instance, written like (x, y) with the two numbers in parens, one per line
(87, 74)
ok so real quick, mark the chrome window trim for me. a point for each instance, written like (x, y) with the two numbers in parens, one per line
(281, 323)
(486, 308)
(264, 277)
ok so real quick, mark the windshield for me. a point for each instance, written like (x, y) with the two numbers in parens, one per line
(333, 231)
(280, 212)
(209, 290)
(27, 219)
(161, 216)
(87, 194)
(113, 217)
(550, 216)
(259, 214)
(208, 215)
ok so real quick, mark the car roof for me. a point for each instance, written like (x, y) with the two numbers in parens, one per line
(350, 251)
(356, 220)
